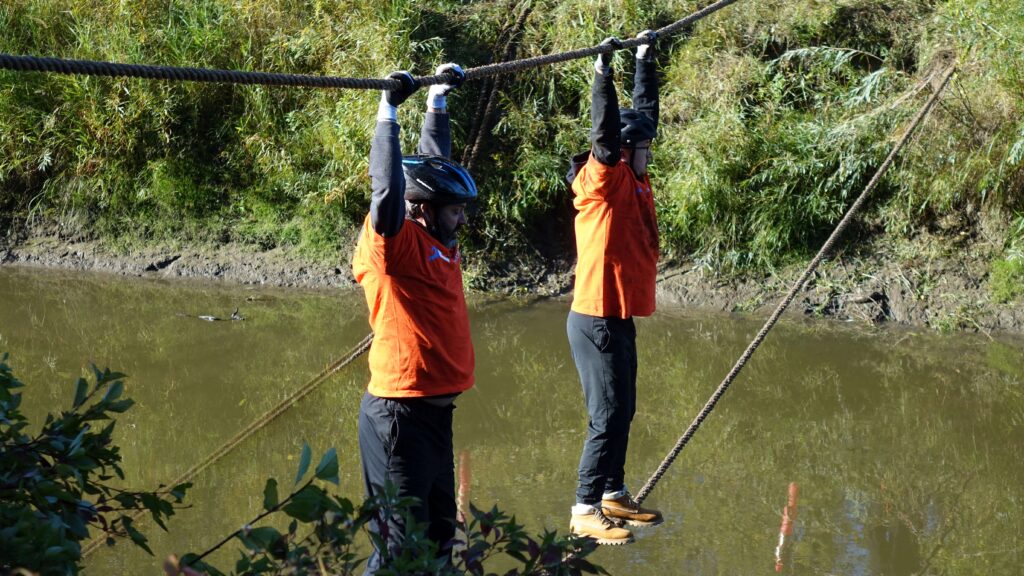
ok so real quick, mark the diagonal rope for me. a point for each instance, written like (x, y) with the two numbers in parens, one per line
(98, 68)
(256, 425)
(825, 249)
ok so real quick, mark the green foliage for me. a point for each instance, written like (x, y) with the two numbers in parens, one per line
(1007, 279)
(180, 160)
(774, 114)
(57, 485)
(323, 529)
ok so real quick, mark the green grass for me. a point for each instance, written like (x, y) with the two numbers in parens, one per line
(1006, 281)
(774, 116)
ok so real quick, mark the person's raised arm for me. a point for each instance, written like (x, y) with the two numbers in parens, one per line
(387, 205)
(645, 80)
(604, 109)
(436, 134)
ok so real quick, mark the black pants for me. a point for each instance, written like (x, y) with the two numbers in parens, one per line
(409, 442)
(604, 350)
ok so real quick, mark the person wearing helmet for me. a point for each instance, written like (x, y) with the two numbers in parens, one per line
(617, 254)
(408, 263)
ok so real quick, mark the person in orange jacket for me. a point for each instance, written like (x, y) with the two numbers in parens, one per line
(408, 262)
(617, 254)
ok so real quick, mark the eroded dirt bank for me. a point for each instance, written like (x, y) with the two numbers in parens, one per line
(913, 284)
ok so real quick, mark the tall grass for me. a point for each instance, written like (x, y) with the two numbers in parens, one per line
(775, 114)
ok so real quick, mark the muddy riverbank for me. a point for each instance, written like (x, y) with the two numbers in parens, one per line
(924, 282)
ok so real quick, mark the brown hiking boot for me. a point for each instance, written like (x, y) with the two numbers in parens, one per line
(600, 528)
(625, 509)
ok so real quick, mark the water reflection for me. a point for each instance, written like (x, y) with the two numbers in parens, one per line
(784, 549)
(906, 446)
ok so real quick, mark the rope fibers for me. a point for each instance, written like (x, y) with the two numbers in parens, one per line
(98, 68)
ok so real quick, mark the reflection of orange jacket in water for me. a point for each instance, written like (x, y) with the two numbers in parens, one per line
(413, 286)
(616, 242)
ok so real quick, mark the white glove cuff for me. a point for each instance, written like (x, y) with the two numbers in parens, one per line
(386, 111)
(436, 98)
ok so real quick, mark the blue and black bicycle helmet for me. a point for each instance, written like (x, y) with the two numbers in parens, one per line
(437, 180)
(635, 127)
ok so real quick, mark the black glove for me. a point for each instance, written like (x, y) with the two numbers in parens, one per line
(409, 85)
(646, 51)
(436, 96)
(604, 59)
(457, 74)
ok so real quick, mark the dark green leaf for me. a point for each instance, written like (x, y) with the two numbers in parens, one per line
(120, 405)
(270, 494)
(178, 492)
(53, 551)
(304, 460)
(327, 469)
(261, 538)
(114, 392)
(307, 505)
(81, 389)
(135, 535)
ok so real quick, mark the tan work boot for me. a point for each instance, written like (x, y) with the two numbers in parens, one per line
(597, 526)
(625, 509)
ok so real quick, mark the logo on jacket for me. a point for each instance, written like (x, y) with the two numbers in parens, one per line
(435, 253)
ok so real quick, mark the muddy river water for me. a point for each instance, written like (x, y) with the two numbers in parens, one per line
(906, 447)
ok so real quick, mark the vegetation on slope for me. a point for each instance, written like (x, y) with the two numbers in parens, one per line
(775, 114)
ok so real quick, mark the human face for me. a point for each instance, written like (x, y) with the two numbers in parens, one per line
(639, 157)
(447, 220)
(452, 217)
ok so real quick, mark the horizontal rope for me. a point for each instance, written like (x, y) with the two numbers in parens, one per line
(96, 68)
(184, 74)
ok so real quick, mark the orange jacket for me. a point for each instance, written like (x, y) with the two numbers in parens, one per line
(413, 286)
(616, 242)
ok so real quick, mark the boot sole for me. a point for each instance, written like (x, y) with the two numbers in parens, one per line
(606, 541)
(638, 523)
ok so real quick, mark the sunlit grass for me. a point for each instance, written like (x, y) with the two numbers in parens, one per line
(774, 116)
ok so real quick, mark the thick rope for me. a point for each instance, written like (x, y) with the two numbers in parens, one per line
(825, 249)
(256, 425)
(97, 68)
(527, 63)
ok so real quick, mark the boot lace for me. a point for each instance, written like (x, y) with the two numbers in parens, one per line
(604, 519)
(627, 502)
(631, 503)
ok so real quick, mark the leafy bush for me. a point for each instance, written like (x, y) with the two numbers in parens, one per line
(323, 529)
(57, 485)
